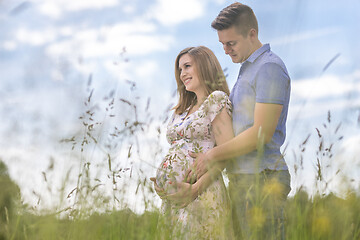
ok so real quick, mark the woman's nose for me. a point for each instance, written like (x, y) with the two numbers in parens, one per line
(182, 74)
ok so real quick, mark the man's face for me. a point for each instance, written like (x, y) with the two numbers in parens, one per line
(239, 48)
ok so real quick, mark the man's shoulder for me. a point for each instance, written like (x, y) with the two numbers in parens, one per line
(270, 60)
(270, 57)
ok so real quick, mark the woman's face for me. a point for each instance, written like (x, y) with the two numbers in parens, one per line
(189, 75)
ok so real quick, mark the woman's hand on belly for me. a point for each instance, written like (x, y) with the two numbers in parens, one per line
(160, 191)
(185, 194)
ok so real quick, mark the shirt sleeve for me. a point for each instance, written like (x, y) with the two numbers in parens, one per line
(217, 101)
(272, 84)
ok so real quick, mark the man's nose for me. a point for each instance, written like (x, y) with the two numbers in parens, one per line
(227, 49)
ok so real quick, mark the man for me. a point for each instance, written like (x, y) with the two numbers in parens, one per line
(259, 177)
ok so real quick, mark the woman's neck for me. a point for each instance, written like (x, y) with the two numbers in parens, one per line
(200, 97)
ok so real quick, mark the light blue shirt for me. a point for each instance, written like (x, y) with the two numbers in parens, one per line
(263, 78)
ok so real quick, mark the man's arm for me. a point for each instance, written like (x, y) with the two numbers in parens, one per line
(266, 117)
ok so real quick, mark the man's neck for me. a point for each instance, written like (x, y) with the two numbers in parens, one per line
(257, 45)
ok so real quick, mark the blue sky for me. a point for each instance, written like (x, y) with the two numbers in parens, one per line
(48, 49)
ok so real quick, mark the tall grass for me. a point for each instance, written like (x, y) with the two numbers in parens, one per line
(107, 178)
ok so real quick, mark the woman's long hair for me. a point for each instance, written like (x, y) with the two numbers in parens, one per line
(209, 72)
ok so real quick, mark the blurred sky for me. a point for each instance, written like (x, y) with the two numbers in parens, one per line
(48, 50)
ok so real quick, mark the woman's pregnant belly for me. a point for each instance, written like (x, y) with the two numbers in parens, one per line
(172, 169)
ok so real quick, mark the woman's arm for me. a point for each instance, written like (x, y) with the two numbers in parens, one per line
(223, 132)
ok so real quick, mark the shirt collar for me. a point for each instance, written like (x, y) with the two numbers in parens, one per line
(258, 52)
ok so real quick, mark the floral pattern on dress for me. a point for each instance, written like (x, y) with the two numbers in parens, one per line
(208, 216)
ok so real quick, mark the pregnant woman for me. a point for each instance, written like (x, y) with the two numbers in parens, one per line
(202, 119)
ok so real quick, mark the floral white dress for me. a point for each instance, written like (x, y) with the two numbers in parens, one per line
(208, 216)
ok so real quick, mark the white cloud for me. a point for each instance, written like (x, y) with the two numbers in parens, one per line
(66, 31)
(302, 36)
(325, 86)
(174, 12)
(351, 146)
(55, 8)
(35, 38)
(120, 71)
(9, 45)
(310, 110)
(72, 5)
(135, 44)
(347, 161)
(147, 69)
(138, 38)
(129, 9)
(38, 37)
(50, 9)
(315, 96)
(220, 1)
(134, 70)
(143, 44)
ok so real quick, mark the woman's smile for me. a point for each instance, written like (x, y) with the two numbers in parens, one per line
(186, 80)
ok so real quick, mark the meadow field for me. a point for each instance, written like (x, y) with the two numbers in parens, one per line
(327, 217)
(95, 212)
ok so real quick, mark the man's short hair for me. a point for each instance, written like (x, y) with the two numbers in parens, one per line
(239, 15)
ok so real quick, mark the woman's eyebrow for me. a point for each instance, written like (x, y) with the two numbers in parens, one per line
(185, 63)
